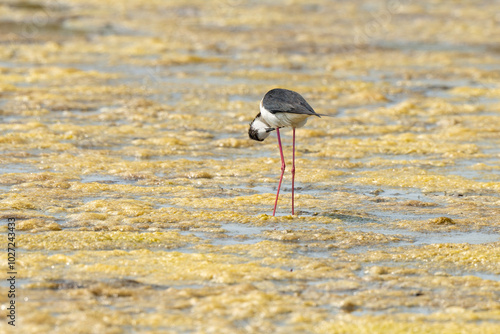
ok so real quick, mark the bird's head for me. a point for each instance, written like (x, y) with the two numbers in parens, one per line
(259, 129)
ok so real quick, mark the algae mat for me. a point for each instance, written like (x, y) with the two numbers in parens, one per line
(137, 203)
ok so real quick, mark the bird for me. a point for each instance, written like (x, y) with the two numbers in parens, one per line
(281, 108)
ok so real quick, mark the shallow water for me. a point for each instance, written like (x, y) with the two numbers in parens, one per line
(142, 206)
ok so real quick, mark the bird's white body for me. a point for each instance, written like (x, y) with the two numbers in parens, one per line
(283, 119)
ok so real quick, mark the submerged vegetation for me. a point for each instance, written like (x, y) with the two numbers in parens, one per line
(141, 205)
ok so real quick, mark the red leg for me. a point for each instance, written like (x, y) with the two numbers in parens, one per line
(282, 169)
(293, 172)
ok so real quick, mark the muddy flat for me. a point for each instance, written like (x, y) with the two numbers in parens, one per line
(141, 205)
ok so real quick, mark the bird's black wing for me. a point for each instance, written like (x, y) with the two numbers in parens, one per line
(283, 100)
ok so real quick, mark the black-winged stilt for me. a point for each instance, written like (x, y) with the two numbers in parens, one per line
(281, 108)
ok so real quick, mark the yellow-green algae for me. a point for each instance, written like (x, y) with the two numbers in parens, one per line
(141, 205)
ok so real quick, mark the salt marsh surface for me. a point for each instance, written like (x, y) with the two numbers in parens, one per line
(141, 206)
